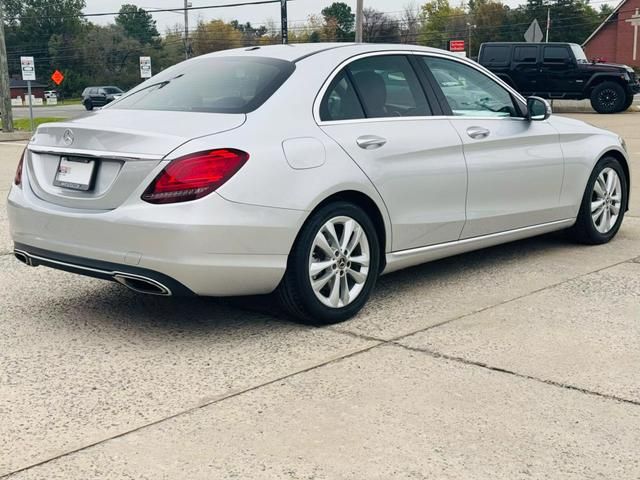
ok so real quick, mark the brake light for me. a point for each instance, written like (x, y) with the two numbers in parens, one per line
(18, 178)
(195, 176)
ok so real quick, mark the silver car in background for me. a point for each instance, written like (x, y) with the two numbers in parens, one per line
(308, 170)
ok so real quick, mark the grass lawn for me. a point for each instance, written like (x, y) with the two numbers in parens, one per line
(23, 123)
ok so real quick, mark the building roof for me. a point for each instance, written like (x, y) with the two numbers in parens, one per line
(19, 83)
(606, 21)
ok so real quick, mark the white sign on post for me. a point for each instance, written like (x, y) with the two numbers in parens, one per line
(28, 68)
(145, 67)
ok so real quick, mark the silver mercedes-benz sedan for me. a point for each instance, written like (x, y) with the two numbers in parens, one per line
(308, 170)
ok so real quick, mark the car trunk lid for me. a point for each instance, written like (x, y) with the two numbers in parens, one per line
(124, 146)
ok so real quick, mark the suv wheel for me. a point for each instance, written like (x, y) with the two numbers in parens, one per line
(628, 103)
(603, 204)
(88, 104)
(332, 267)
(608, 97)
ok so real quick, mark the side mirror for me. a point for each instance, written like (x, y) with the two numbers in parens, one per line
(538, 109)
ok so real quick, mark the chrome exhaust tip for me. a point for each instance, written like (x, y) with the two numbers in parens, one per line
(142, 284)
(23, 257)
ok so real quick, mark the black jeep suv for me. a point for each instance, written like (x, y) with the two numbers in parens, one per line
(561, 70)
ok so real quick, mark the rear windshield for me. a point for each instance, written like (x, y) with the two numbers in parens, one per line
(214, 85)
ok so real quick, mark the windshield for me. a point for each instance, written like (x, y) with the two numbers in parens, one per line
(213, 84)
(579, 53)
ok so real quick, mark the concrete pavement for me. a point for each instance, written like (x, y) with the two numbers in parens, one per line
(518, 361)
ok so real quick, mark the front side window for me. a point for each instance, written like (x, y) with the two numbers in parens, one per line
(212, 84)
(556, 55)
(469, 92)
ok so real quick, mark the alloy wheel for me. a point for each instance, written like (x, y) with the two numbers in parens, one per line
(339, 262)
(608, 98)
(606, 200)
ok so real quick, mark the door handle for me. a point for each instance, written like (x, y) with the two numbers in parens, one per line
(370, 142)
(478, 132)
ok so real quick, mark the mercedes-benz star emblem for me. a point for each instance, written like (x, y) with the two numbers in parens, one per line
(67, 137)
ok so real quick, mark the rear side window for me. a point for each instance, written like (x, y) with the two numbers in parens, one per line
(213, 84)
(496, 55)
(526, 54)
(556, 54)
(341, 101)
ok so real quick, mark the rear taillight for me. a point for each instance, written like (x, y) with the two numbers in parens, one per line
(194, 176)
(18, 178)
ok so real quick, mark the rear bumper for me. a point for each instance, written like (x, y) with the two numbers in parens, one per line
(136, 278)
(209, 247)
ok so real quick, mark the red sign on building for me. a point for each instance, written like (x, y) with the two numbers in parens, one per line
(456, 45)
(57, 77)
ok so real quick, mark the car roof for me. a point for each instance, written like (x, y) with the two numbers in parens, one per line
(533, 44)
(299, 51)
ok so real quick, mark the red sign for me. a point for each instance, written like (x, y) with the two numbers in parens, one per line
(57, 77)
(456, 45)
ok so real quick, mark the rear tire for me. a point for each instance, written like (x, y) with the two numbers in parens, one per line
(88, 104)
(600, 199)
(338, 251)
(608, 97)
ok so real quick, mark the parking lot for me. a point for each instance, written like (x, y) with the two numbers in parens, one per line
(520, 361)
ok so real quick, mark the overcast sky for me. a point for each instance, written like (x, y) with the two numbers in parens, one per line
(298, 10)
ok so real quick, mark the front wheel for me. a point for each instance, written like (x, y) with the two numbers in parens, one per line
(88, 104)
(608, 97)
(333, 266)
(603, 204)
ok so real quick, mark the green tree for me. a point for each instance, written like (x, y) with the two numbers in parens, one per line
(32, 23)
(339, 14)
(379, 27)
(215, 35)
(441, 23)
(138, 24)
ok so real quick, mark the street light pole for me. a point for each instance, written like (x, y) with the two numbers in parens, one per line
(284, 28)
(5, 87)
(359, 21)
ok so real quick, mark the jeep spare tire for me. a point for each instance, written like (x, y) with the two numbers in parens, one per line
(609, 97)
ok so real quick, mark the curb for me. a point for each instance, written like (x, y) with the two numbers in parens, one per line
(14, 136)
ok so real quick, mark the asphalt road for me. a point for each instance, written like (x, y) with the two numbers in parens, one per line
(520, 361)
(61, 111)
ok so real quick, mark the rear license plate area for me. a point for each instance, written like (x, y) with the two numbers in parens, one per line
(76, 173)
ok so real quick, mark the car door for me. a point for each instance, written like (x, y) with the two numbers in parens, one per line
(515, 166)
(560, 71)
(526, 69)
(377, 110)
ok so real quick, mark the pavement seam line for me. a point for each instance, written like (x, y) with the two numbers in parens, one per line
(380, 342)
(486, 366)
(479, 310)
(194, 408)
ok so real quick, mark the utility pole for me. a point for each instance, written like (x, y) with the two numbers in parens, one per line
(284, 22)
(548, 24)
(5, 89)
(469, 27)
(187, 46)
(359, 21)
